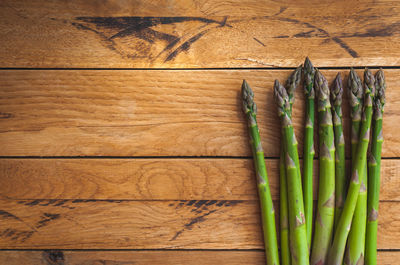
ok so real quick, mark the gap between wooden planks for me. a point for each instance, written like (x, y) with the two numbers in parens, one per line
(197, 34)
(153, 113)
(151, 179)
(203, 257)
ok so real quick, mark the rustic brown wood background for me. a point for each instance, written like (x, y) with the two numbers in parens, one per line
(121, 134)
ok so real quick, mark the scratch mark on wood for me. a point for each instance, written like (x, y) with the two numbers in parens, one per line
(257, 40)
(255, 61)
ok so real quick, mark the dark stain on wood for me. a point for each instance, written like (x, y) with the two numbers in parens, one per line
(386, 31)
(95, 200)
(342, 44)
(190, 203)
(112, 28)
(211, 202)
(109, 43)
(5, 115)
(53, 257)
(189, 225)
(317, 31)
(186, 45)
(198, 219)
(200, 207)
(306, 34)
(5, 215)
(44, 202)
(46, 218)
(16, 234)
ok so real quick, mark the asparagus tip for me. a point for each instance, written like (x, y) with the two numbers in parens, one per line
(322, 88)
(293, 81)
(337, 90)
(248, 98)
(308, 64)
(281, 97)
(309, 73)
(380, 86)
(355, 93)
(369, 82)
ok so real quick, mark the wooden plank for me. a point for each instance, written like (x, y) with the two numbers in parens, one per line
(151, 179)
(151, 113)
(197, 34)
(110, 224)
(151, 257)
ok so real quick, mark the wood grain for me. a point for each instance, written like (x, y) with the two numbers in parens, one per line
(151, 179)
(111, 224)
(150, 257)
(197, 34)
(151, 113)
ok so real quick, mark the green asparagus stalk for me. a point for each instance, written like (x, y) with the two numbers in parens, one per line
(339, 241)
(297, 227)
(308, 151)
(267, 207)
(291, 85)
(374, 166)
(284, 212)
(356, 242)
(326, 192)
(340, 159)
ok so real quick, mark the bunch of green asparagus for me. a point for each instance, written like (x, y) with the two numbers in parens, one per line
(344, 227)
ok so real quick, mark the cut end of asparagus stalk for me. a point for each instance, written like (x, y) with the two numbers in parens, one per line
(337, 91)
(309, 72)
(248, 99)
(322, 89)
(355, 95)
(379, 102)
(292, 83)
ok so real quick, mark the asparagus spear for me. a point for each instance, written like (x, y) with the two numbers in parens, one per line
(308, 151)
(291, 85)
(340, 159)
(267, 207)
(297, 227)
(326, 192)
(356, 242)
(374, 166)
(339, 241)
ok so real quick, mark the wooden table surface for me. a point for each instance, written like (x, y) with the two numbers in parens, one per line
(122, 139)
